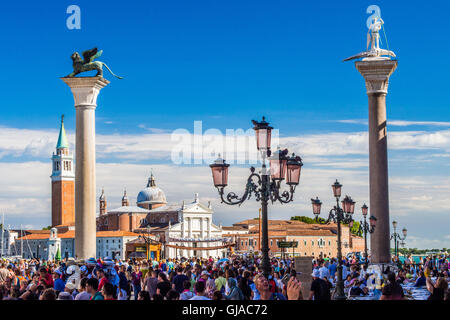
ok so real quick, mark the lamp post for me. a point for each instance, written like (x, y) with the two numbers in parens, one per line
(397, 237)
(366, 228)
(264, 186)
(338, 215)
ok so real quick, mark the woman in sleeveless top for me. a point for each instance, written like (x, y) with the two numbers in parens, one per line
(438, 289)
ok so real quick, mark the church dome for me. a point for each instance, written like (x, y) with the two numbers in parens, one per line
(151, 194)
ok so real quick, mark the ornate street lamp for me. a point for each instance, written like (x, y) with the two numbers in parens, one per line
(397, 237)
(220, 172)
(338, 215)
(366, 228)
(263, 134)
(264, 186)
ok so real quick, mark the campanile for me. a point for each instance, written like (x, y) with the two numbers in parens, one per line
(63, 182)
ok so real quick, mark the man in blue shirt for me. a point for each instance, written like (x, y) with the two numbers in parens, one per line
(421, 281)
(58, 283)
(332, 267)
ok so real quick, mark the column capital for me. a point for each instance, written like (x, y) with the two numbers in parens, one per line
(376, 73)
(85, 90)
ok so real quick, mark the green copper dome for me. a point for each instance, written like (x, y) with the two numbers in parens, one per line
(62, 140)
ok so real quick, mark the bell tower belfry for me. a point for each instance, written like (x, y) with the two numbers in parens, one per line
(63, 182)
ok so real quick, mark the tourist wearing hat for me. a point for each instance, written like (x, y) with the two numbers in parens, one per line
(71, 288)
(64, 296)
(320, 290)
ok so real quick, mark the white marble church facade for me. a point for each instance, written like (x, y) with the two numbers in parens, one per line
(195, 229)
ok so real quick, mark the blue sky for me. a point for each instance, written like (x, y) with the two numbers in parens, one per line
(224, 63)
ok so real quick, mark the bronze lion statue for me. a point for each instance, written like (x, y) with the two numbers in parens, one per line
(87, 63)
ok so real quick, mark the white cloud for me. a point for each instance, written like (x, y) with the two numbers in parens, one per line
(25, 184)
(16, 143)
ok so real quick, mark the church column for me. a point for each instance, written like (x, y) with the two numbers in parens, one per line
(191, 252)
(85, 91)
(202, 232)
(209, 227)
(183, 235)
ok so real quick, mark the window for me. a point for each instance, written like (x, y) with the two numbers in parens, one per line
(312, 243)
(304, 241)
(321, 242)
(242, 242)
(329, 242)
(271, 243)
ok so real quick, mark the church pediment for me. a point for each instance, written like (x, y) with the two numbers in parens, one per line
(197, 208)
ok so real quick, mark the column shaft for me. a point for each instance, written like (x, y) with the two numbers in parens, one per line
(378, 177)
(85, 200)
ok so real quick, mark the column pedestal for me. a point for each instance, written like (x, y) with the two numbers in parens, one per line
(85, 91)
(377, 73)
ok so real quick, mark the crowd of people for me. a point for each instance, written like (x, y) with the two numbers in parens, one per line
(237, 278)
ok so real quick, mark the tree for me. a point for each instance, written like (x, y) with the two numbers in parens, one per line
(307, 220)
(47, 228)
(356, 229)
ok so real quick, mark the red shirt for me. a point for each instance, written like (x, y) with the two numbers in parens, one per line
(48, 280)
(273, 286)
(102, 283)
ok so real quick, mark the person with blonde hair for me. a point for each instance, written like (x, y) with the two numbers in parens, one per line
(438, 289)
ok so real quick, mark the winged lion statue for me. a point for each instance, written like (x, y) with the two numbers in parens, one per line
(87, 63)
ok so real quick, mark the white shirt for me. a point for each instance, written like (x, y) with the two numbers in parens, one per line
(83, 296)
(124, 294)
(324, 272)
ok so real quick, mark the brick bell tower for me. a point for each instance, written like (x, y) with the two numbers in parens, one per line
(63, 182)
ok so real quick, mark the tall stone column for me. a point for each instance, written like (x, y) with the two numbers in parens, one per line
(85, 91)
(377, 73)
